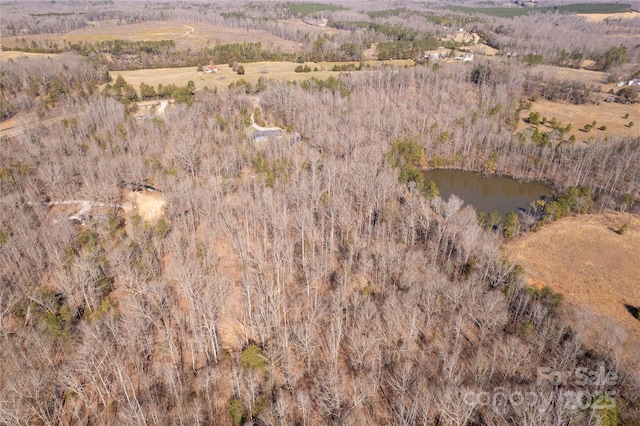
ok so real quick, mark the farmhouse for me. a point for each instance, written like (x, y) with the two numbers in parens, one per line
(211, 68)
(263, 134)
(316, 22)
(438, 54)
(634, 82)
(467, 57)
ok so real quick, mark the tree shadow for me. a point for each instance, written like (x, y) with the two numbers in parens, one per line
(634, 311)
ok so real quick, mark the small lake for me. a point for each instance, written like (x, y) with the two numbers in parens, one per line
(487, 193)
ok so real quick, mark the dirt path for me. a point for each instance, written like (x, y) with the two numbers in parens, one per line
(189, 31)
(16, 126)
(85, 206)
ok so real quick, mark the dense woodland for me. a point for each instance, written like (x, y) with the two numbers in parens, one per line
(294, 282)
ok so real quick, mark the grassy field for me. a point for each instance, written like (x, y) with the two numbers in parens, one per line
(504, 12)
(6, 55)
(595, 78)
(599, 17)
(510, 12)
(186, 34)
(604, 113)
(305, 9)
(608, 114)
(284, 71)
(595, 268)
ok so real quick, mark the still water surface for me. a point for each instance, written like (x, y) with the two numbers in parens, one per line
(487, 193)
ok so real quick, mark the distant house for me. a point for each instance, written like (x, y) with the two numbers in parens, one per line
(634, 82)
(264, 134)
(317, 22)
(211, 68)
(436, 55)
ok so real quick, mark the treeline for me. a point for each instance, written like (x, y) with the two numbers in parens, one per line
(115, 47)
(40, 84)
(405, 49)
(401, 42)
(125, 54)
(68, 18)
(245, 52)
(573, 91)
(564, 40)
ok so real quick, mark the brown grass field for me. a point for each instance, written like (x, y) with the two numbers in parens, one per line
(599, 17)
(597, 270)
(284, 71)
(186, 35)
(6, 55)
(589, 77)
(608, 114)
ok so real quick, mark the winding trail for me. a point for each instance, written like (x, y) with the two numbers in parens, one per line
(85, 206)
(190, 31)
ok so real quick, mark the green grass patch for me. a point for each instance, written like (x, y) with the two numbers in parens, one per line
(594, 8)
(510, 12)
(503, 12)
(387, 13)
(305, 9)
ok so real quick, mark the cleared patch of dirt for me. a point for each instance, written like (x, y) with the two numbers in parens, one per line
(371, 53)
(595, 268)
(599, 17)
(148, 204)
(608, 114)
(482, 49)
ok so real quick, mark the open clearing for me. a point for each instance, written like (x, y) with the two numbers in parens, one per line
(595, 268)
(598, 17)
(284, 71)
(149, 205)
(186, 34)
(609, 114)
(594, 78)
(481, 49)
(6, 55)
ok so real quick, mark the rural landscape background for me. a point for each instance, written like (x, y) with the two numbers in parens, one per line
(230, 213)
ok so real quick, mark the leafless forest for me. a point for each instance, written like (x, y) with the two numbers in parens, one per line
(296, 281)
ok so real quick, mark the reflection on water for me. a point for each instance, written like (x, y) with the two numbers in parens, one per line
(487, 193)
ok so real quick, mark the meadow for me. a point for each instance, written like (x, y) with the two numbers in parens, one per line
(510, 12)
(281, 71)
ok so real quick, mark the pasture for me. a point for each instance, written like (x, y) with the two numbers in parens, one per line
(595, 268)
(608, 114)
(10, 54)
(599, 17)
(577, 8)
(282, 71)
(186, 34)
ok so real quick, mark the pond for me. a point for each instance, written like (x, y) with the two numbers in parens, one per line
(487, 193)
